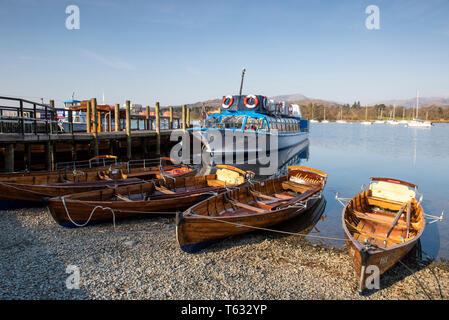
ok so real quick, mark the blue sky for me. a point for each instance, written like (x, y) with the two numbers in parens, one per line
(185, 51)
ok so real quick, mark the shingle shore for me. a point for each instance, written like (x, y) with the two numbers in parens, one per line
(142, 260)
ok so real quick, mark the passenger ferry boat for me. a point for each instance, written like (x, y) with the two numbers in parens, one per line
(249, 124)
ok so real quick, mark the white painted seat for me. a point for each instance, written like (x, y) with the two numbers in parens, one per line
(391, 191)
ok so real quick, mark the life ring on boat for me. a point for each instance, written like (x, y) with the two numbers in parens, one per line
(228, 99)
(281, 107)
(251, 106)
(290, 109)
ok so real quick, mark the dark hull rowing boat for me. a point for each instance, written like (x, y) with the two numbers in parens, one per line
(36, 187)
(253, 206)
(381, 225)
(157, 197)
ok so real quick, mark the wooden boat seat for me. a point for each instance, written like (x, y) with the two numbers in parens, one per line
(248, 207)
(391, 191)
(384, 203)
(164, 190)
(229, 177)
(218, 183)
(359, 230)
(122, 197)
(295, 186)
(283, 196)
(263, 196)
(380, 218)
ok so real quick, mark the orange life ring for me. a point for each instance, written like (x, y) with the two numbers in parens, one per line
(251, 106)
(227, 105)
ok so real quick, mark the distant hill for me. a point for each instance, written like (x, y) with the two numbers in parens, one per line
(423, 102)
(304, 100)
(292, 98)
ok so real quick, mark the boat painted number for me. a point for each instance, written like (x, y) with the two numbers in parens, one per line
(383, 260)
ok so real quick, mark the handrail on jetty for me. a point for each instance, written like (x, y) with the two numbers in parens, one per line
(21, 116)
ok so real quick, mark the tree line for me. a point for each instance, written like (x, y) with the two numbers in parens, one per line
(354, 112)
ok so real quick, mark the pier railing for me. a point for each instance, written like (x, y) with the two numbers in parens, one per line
(21, 116)
(24, 116)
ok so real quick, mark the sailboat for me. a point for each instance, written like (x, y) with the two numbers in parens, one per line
(403, 121)
(392, 119)
(324, 120)
(341, 116)
(380, 121)
(313, 119)
(366, 122)
(416, 122)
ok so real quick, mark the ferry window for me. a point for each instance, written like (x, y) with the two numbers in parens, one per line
(264, 125)
(253, 123)
(229, 122)
(211, 122)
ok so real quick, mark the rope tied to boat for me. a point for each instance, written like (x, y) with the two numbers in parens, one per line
(90, 215)
(374, 246)
(264, 229)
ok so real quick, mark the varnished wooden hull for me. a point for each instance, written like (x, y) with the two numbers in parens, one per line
(35, 188)
(37, 193)
(80, 211)
(133, 201)
(365, 255)
(209, 221)
(195, 233)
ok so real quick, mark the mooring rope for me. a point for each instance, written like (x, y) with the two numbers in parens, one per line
(265, 229)
(90, 216)
(409, 269)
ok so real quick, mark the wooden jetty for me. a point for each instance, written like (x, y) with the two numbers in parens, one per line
(31, 138)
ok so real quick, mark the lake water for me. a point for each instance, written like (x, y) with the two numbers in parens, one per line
(351, 153)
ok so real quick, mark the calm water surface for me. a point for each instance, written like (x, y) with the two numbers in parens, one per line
(352, 153)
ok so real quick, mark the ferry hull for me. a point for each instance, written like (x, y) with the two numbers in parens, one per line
(241, 143)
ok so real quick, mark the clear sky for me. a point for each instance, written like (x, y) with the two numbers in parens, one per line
(186, 51)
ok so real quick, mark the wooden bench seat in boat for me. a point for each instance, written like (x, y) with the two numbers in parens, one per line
(249, 207)
(296, 186)
(380, 218)
(164, 190)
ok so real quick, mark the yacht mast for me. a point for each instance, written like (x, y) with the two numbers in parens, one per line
(417, 102)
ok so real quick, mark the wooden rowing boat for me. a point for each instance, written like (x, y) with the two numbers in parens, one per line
(381, 225)
(34, 187)
(249, 207)
(157, 197)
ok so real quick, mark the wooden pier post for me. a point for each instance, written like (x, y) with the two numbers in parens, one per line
(95, 124)
(52, 115)
(117, 117)
(128, 130)
(73, 150)
(88, 117)
(22, 120)
(171, 118)
(27, 156)
(147, 121)
(158, 130)
(183, 117)
(71, 121)
(9, 158)
(49, 156)
(188, 117)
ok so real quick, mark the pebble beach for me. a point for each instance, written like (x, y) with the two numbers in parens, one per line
(141, 259)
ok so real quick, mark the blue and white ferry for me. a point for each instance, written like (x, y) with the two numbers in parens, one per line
(249, 124)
